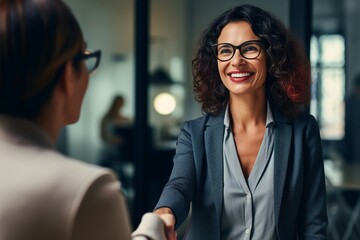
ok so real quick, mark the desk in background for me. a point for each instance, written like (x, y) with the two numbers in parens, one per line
(340, 177)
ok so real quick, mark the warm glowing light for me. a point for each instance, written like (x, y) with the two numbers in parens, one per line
(164, 103)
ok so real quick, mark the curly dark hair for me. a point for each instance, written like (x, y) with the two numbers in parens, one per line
(289, 76)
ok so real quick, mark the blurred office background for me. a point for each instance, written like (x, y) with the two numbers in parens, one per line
(147, 50)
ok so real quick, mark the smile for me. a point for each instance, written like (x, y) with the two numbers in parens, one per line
(239, 75)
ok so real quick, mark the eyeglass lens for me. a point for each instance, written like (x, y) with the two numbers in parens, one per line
(249, 50)
(91, 60)
(90, 63)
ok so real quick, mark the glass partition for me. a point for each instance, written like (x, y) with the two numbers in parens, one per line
(335, 49)
(103, 134)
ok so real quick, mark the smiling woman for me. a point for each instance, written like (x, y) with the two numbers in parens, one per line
(252, 165)
(251, 70)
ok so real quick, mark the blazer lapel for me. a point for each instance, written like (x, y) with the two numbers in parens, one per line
(282, 144)
(214, 154)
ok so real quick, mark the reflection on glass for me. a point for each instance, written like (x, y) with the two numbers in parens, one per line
(328, 59)
(332, 103)
(332, 49)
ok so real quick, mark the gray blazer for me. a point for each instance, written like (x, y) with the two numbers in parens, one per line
(299, 182)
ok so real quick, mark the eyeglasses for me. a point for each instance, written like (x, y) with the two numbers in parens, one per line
(91, 59)
(226, 51)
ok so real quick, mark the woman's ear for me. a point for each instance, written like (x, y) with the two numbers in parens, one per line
(67, 80)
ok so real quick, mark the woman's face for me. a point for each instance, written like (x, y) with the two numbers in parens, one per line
(242, 76)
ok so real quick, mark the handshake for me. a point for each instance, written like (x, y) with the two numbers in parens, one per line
(155, 227)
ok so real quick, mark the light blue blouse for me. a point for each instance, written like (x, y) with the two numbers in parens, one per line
(248, 211)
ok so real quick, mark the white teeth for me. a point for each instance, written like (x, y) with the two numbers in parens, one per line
(239, 75)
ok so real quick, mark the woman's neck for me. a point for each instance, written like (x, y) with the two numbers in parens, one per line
(247, 112)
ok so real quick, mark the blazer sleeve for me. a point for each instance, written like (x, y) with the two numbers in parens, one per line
(102, 213)
(312, 222)
(178, 192)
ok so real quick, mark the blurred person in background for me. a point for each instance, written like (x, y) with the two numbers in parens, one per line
(114, 144)
(44, 73)
(116, 132)
(113, 118)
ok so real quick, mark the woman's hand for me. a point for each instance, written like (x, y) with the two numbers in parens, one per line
(169, 220)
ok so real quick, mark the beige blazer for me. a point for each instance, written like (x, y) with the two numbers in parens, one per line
(46, 195)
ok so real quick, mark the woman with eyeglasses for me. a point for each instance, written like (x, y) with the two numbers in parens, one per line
(252, 166)
(44, 72)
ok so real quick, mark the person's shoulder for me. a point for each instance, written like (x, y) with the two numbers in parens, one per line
(74, 179)
(69, 175)
(196, 127)
(304, 117)
(83, 170)
(297, 117)
(54, 166)
(304, 121)
(196, 124)
(300, 120)
(206, 119)
(43, 181)
(198, 119)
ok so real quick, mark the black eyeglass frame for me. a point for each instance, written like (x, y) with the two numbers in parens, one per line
(215, 46)
(90, 54)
